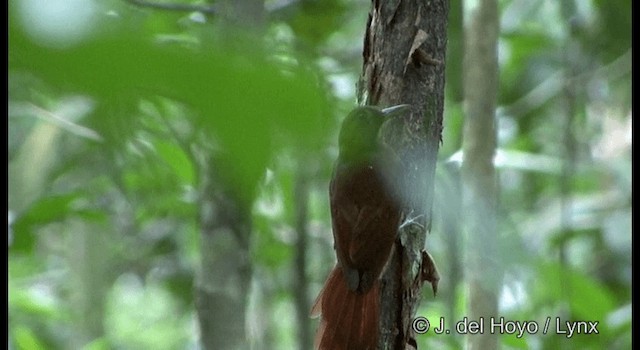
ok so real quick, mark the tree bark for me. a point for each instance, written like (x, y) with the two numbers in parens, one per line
(225, 273)
(224, 279)
(404, 62)
(90, 278)
(478, 173)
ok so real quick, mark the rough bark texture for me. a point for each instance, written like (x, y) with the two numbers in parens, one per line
(478, 173)
(404, 62)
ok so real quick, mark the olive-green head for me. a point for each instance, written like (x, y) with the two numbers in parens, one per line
(358, 138)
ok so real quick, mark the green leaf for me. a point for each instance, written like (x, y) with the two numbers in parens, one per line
(587, 297)
(242, 99)
(25, 338)
(49, 209)
(175, 157)
(98, 344)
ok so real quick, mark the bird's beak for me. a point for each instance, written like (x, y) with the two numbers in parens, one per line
(396, 110)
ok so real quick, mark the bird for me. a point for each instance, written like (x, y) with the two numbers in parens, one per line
(365, 214)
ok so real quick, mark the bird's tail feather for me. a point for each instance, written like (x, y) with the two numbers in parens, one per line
(349, 319)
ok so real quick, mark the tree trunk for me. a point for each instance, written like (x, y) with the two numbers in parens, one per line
(225, 273)
(404, 62)
(478, 173)
(90, 278)
(224, 279)
(301, 297)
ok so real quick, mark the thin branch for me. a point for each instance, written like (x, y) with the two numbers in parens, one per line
(553, 85)
(209, 9)
(57, 119)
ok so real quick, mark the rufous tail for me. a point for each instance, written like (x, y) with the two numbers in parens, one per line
(349, 319)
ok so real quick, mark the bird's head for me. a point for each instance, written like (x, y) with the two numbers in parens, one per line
(358, 138)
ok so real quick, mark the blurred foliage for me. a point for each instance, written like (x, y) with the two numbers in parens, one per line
(112, 106)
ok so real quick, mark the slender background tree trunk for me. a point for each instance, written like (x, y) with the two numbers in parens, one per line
(404, 62)
(224, 278)
(301, 295)
(483, 271)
